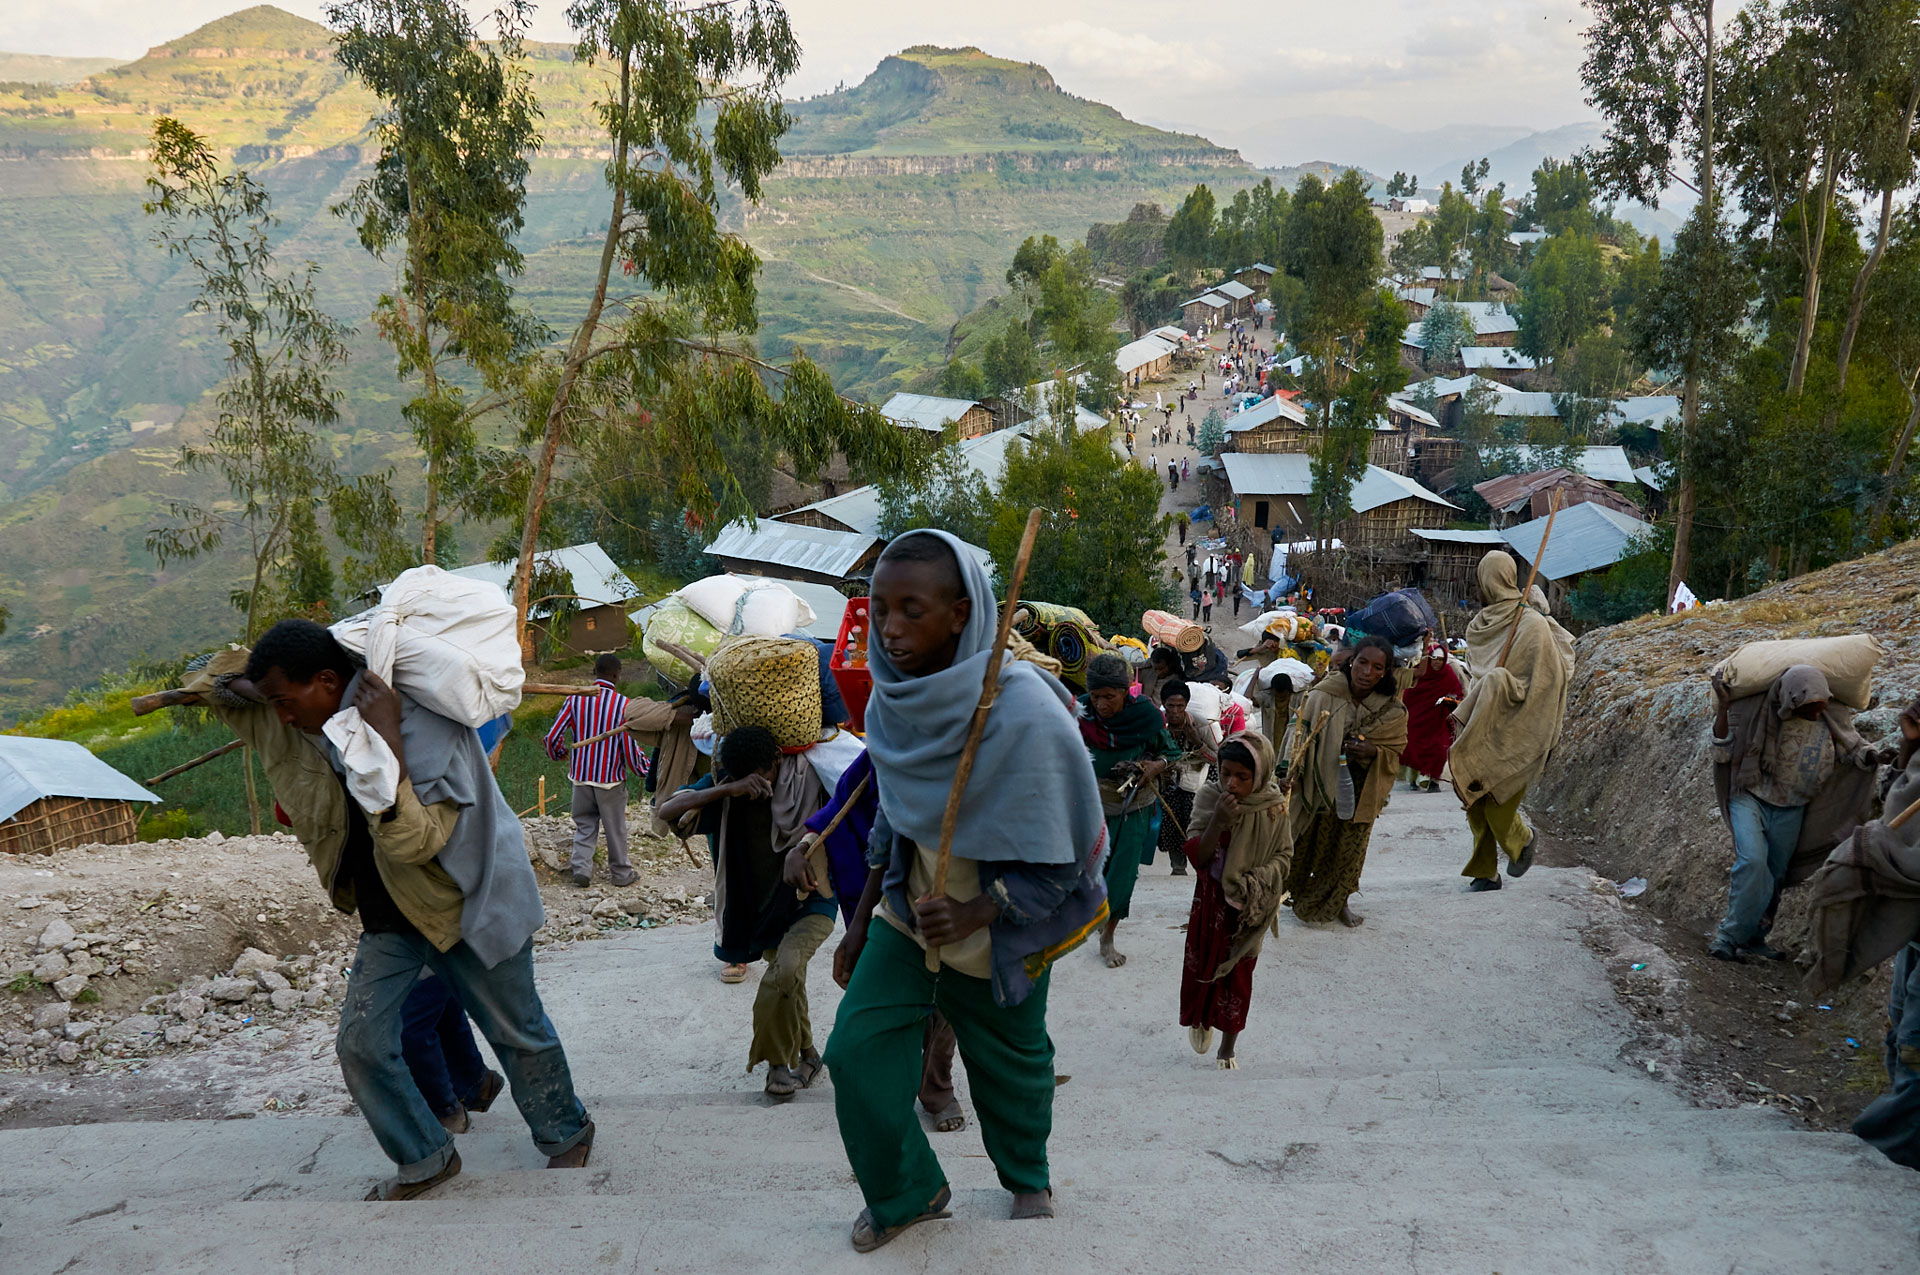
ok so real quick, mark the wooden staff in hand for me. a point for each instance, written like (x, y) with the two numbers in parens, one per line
(201, 760)
(1540, 556)
(989, 690)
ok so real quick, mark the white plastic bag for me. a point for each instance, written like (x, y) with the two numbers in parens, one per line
(747, 604)
(449, 643)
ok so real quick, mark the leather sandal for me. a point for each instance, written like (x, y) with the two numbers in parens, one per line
(394, 1189)
(574, 1157)
(867, 1237)
(489, 1090)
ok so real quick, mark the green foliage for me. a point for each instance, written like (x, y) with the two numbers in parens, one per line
(1445, 330)
(1032, 259)
(1252, 226)
(1473, 176)
(281, 352)
(1213, 432)
(1636, 585)
(948, 495)
(1010, 362)
(1566, 295)
(1332, 244)
(1149, 300)
(165, 825)
(457, 127)
(1402, 185)
(1191, 230)
(1561, 199)
(961, 379)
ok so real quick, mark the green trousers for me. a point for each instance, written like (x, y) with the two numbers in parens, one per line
(782, 1030)
(1130, 839)
(875, 1054)
(1497, 826)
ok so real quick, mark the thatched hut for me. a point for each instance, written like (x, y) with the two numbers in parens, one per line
(55, 794)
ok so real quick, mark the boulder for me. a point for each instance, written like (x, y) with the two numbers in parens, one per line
(85, 964)
(52, 1016)
(69, 987)
(179, 1034)
(136, 1029)
(251, 961)
(57, 935)
(272, 980)
(67, 1052)
(50, 968)
(230, 989)
(284, 999)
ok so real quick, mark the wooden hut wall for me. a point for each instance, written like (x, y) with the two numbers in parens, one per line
(1388, 450)
(57, 823)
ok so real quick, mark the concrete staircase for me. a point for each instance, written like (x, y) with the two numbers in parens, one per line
(1440, 1091)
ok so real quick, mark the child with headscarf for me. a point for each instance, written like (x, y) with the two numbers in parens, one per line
(1241, 848)
(1344, 779)
(1128, 741)
(1436, 690)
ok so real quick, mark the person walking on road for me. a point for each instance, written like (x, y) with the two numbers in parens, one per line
(599, 772)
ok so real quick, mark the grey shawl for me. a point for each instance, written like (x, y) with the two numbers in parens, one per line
(486, 853)
(1032, 796)
(1865, 899)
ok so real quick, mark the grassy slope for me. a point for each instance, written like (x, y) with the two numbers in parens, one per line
(867, 274)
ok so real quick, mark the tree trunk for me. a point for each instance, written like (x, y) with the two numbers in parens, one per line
(1857, 303)
(253, 795)
(1810, 291)
(1895, 466)
(422, 330)
(1690, 392)
(570, 373)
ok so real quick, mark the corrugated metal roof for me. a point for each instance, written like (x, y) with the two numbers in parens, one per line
(1234, 289)
(595, 577)
(1268, 409)
(1655, 411)
(1524, 403)
(1520, 238)
(1137, 354)
(1650, 477)
(1447, 387)
(1586, 537)
(1419, 296)
(1608, 464)
(925, 411)
(1261, 266)
(793, 546)
(1503, 356)
(1406, 408)
(1444, 536)
(1411, 336)
(1171, 335)
(31, 769)
(1213, 299)
(1291, 474)
(1490, 318)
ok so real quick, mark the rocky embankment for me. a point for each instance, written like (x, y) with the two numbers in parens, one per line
(113, 955)
(1633, 771)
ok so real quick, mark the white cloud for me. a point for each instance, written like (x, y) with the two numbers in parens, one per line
(1075, 45)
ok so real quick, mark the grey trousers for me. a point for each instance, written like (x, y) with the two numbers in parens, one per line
(594, 808)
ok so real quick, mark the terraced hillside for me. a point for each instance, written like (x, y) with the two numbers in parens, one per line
(896, 214)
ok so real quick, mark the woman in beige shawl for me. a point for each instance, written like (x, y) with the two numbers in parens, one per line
(1240, 849)
(1510, 719)
(1344, 779)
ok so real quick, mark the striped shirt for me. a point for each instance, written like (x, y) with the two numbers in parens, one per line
(608, 762)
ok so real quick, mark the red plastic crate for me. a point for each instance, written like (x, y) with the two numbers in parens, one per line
(855, 682)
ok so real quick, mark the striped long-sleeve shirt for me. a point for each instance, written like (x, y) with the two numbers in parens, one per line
(606, 763)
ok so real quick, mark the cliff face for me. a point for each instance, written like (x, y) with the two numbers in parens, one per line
(1633, 769)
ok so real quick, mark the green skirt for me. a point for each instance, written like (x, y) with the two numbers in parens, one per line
(1129, 841)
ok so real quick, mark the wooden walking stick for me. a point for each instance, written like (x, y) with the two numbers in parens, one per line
(1540, 555)
(817, 851)
(989, 689)
(1903, 816)
(201, 760)
(1302, 740)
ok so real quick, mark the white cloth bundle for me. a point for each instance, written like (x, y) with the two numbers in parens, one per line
(747, 604)
(448, 642)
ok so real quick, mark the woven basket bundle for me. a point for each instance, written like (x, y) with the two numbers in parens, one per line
(767, 681)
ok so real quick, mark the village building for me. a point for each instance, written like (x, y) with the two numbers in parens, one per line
(793, 551)
(1205, 310)
(1257, 276)
(1500, 363)
(1605, 463)
(1148, 359)
(1450, 561)
(1418, 300)
(1239, 297)
(54, 795)
(591, 602)
(1270, 493)
(1586, 538)
(1279, 424)
(931, 414)
(1519, 498)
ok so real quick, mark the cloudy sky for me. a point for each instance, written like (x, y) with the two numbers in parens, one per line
(1284, 80)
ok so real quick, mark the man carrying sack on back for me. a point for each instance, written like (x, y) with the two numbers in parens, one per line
(440, 879)
(1793, 777)
(1522, 666)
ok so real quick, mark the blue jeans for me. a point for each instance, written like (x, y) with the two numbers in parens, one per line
(437, 1042)
(506, 1008)
(1891, 1122)
(1764, 838)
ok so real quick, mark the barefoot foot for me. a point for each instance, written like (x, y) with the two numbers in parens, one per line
(1350, 918)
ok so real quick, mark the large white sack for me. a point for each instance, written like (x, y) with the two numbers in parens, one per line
(747, 604)
(1847, 662)
(449, 643)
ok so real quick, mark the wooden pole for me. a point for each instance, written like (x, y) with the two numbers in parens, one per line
(989, 689)
(543, 797)
(144, 704)
(556, 688)
(1539, 556)
(201, 760)
(833, 825)
(1903, 816)
(1301, 742)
